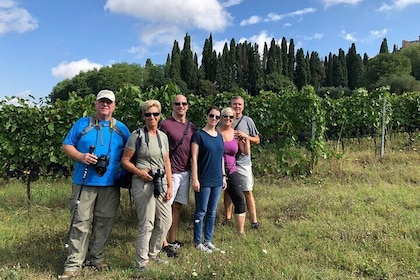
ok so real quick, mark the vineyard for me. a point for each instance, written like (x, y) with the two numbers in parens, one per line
(296, 124)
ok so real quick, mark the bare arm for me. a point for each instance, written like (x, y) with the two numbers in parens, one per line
(194, 167)
(245, 146)
(168, 171)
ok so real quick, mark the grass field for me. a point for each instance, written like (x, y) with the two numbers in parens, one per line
(356, 217)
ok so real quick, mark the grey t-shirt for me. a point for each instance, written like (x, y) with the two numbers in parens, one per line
(150, 155)
(248, 126)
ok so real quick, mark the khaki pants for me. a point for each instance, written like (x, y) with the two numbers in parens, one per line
(97, 209)
(155, 219)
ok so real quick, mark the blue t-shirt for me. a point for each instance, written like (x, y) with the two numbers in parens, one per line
(210, 158)
(107, 142)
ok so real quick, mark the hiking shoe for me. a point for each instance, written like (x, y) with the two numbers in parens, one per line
(176, 244)
(255, 225)
(211, 246)
(98, 266)
(203, 248)
(169, 252)
(226, 222)
(70, 274)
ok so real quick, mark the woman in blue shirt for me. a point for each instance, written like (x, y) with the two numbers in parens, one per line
(207, 178)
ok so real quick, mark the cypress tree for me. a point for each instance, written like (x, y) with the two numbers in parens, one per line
(354, 68)
(291, 59)
(365, 60)
(271, 65)
(342, 59)
(255, 77)
(233, 64)
(207, 62)
(316, 69)
(338, 72)
(301, 76)
(223, 78)
(175, 70)
(285, 67)
(187, 64)
(167, 68)
(329, 77)
(384, 46)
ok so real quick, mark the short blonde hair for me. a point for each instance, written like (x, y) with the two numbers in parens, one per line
(151, 103)
(227, 110)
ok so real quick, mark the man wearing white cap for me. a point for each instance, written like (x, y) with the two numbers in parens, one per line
(96, 144)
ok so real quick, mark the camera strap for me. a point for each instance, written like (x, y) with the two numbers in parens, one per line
(146, 139)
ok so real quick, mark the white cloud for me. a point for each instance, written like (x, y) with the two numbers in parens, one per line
(164, 18)
(316, 36)
(251, 20)
(230, 3)
(348, 36)
(329, 3)
(378, 33)
(276, 17)
(67, 70)
(15, 19)
(259, 39)
(397, 5)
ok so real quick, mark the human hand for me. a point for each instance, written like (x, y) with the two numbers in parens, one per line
(89, 158)
(195, 185)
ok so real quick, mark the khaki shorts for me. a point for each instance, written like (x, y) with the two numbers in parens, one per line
(246, 178)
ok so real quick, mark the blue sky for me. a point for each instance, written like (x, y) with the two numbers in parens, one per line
(43, 42)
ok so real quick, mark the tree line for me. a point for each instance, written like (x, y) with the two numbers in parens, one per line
(243, 66)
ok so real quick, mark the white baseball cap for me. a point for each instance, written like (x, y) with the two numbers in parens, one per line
(106, 94)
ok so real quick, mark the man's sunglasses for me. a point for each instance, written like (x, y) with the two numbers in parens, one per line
(212, 116)
(181, 103)
(148, 115)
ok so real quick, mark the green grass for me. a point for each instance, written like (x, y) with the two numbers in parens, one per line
(355, 218)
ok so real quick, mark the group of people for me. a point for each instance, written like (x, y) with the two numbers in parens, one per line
(169, 157)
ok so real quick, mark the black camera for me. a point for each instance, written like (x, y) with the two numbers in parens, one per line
(101, 165)
(157, 175)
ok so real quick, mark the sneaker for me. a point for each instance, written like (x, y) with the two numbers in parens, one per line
(211, 246)
(255, 225)
(169, 252)
(203, 248)
(70, 274)
(176, 244)
(226, 222)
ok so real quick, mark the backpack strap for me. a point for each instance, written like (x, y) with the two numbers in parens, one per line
(94, 123)
(91, 124)
(116, 128)
(139, 132)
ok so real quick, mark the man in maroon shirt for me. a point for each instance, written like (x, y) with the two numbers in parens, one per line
(179, 131)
